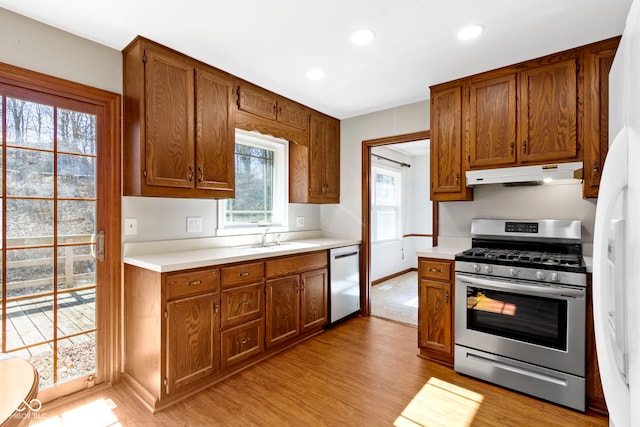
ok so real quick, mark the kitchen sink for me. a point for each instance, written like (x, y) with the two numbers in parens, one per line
(274, 247)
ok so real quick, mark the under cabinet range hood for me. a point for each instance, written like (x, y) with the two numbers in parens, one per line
(527, 175)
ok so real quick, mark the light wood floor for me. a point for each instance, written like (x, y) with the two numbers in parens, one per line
(363, 372)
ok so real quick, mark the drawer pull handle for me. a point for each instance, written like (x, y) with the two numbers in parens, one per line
(437, 270)
(244, 341)
(246, 273)
(194, 283)
(245, 302)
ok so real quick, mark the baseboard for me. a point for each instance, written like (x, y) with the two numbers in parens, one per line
(392, 276)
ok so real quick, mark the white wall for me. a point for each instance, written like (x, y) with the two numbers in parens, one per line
(30, 44)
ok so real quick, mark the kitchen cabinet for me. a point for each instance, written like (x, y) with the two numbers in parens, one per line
(242, 312)
(179, 125)
(297, 292)
(314, 169)
(548, 105)
(492, 121)
(547, 110)
(435, 309)
(447, 166)
(172, 339)
(268, 105)
(598, 60)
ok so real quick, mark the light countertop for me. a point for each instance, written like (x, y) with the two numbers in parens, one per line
(447, 248)
(206, 257)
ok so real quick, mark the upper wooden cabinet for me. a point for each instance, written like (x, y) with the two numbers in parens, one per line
(547, 110)
(492, 121)
(598, 60)
(314, 170)
(548, 118)
(260, 102)
(179, 125)
(447, 171)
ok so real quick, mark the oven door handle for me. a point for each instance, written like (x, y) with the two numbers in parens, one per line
(535, 290)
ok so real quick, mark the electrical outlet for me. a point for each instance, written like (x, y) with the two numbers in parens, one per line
(130, 226)
(194, 224)
(299, 221)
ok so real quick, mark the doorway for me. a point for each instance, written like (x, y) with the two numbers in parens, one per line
(60, 201)
(389, 260)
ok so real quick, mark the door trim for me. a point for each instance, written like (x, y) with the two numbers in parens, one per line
(367, 145)
(109, 293)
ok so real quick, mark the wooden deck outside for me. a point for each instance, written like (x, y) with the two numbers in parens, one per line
(30, 321)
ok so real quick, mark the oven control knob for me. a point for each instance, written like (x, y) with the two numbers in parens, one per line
(488, 269)
(476, 268)
(540, 275)
(555, 277)
(513, 272)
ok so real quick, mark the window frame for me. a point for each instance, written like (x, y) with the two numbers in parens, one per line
(280, 201)
(376, 168)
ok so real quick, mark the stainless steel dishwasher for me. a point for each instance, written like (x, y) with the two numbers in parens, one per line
(344, 285)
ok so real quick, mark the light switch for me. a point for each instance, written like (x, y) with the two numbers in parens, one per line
(194, 224)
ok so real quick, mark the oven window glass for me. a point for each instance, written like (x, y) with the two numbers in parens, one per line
(531, 319)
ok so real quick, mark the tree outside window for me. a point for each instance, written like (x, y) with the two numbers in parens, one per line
(260, 183)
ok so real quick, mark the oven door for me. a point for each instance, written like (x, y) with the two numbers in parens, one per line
(537, 323)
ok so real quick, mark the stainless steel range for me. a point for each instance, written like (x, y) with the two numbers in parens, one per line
(520, 308)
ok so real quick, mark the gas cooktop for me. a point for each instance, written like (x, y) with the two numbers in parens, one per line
(525, 258)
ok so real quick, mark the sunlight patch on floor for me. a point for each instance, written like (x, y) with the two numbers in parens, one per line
(97, 414)
(440, 403)
(413, 302)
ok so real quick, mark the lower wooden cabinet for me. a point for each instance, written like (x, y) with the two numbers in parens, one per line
(192, 342)
(435, 309)
(296, 303)
(188, 329)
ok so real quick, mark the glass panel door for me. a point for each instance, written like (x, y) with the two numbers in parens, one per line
(49, 211)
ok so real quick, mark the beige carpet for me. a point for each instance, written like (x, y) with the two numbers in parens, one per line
(397, 299)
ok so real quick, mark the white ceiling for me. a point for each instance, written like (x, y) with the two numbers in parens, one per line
(273, 43)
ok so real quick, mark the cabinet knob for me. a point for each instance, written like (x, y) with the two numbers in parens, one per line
(457, 178)
(245, 302)
(194, 283)
(216, 307)
(596, 168)
(524, 146)
(190, 174)
(513, 146)
(200, 174)
(446, 297)
(244, 274)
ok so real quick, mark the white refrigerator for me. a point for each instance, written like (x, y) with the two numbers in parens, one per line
(616, 246)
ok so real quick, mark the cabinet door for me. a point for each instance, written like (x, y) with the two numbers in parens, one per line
(169, 149)
(596, 112)
(324, 160)
(292, 114)
(447, 174)
(257, 101)
(435, 326)
(314, 299)
(192, 347)
(492, 121)
(283, 309)
(215, 132)
(549, 112)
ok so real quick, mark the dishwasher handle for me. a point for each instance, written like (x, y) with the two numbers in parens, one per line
(345, 255)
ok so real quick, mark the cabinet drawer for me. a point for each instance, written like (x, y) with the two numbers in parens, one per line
(296, 264)
(435, 269)
(241, 304)
(242, 342)
(244, 273)
(192, 283)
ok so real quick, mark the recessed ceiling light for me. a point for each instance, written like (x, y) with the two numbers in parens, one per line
(362, 37)
(315, 74)
(470, 32)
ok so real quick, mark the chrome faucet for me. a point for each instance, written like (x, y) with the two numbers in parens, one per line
(264, 237)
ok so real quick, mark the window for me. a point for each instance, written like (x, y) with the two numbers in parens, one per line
(386, 204)
(261, 184)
